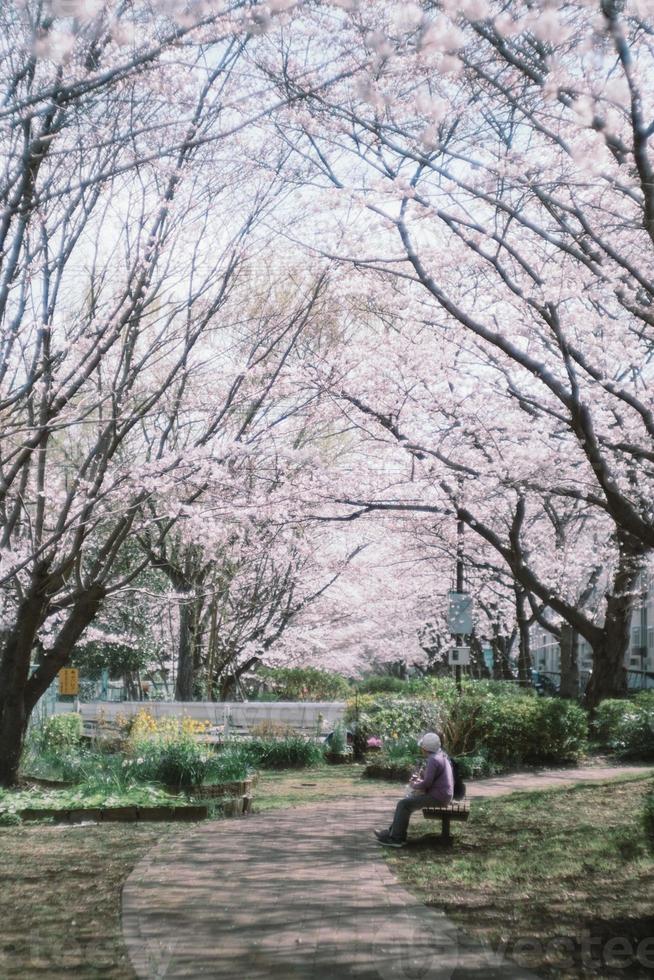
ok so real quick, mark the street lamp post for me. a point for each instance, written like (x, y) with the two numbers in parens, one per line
(460, 610)
(459, 589)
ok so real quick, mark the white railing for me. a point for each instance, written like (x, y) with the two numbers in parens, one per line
(305, 716)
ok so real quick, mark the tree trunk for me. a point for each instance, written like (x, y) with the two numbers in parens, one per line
(609, 676)
(186, 651)
(14, 674)
(501, 663)
(569, 647)
(20, 692)
(524, 644)
(478, 665)
(226, 687)
(13, 726)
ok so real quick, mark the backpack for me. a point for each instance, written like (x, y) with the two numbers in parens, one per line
(459, 790)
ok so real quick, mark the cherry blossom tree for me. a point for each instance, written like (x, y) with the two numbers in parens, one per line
(493, 159)
(128, 216)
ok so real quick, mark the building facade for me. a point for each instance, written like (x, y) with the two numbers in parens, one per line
(639, 658)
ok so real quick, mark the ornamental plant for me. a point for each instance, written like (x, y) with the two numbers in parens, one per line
(177, 761)
(390, 717)
(626, 727)
(497, 726)
(60, 732)
(291, 752)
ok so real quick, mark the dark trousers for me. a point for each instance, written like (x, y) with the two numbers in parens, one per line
(403, 811)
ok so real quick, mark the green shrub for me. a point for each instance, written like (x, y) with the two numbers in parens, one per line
(305, 684)
(178, 761)
(608, 719)
(60, 732)
(230, 764)
(395, 772)
(401, 749)
(54, 749)
(338, 742)
(291, 752)
(9, 819)
(530, 729)
(491, 722)
(626, 727)
(561, 732)
(381, 684)
(392, 717)
(397, 761)
(71, 766)
(478, 766)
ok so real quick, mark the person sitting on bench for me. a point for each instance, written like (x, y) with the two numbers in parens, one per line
(435, 784)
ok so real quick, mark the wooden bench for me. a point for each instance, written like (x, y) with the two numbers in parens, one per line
(446, 813)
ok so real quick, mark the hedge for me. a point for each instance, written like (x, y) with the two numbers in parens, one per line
(496, 725)
(626, 726)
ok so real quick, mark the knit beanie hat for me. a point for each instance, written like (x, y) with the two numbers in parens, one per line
(431, 742)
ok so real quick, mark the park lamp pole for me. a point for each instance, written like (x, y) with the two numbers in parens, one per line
(459, 588)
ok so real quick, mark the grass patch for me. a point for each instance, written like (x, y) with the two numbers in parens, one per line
(571, 863)
(290, 788)
(60, 887)
(60, 892)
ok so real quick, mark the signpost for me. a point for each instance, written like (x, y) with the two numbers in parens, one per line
(460, 656)
(69, 682)
(460, 606)
(459, 617)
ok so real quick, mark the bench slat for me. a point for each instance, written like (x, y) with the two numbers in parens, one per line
(452, 814)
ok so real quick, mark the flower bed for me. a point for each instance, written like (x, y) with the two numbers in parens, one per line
(209, 791)
(123, 814)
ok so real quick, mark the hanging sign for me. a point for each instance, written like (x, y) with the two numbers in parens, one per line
(459, 617)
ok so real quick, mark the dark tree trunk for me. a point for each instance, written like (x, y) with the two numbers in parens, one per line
(569, 647)
(501, 663)
(187, 651)
(19, 693)
(524, 644)
(479, 667)
(131, 686)
(14, 674)
(13, 726)
(226, 687)
(609, 676)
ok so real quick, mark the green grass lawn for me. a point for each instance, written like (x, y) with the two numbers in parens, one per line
(292, 787)
(60, 890)
(562, 881)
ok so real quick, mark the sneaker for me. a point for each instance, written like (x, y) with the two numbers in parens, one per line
(384, 838)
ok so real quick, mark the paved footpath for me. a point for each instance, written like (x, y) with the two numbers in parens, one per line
(303, 894)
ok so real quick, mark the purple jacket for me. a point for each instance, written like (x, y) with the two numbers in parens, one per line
(437, 779)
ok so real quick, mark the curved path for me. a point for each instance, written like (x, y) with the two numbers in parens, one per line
(302, 894)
